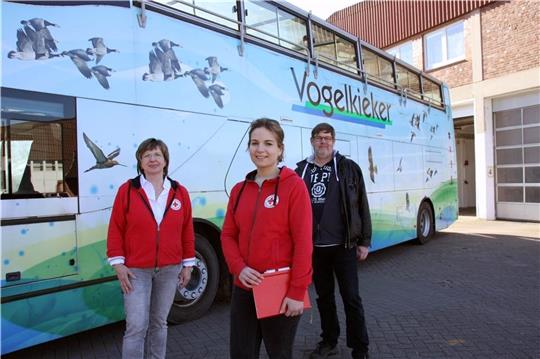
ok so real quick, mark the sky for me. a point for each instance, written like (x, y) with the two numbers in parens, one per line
(322, 8)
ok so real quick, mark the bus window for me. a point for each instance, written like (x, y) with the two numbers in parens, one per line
(226, 9)
(262, 20)
(346, 54)
(292, 32)
(377, 67)
(38, 145)
(324, 44)
(270, 23)
(408, 80)
(432, 91)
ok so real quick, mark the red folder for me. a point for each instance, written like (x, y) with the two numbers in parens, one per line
(270, 294)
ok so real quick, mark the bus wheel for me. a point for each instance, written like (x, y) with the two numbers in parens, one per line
(425, 225)
(194, 300)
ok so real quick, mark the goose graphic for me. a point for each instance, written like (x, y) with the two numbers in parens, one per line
(217, 91)
(99, 49)
(101, 160)
(214, 68)
(170, 65)
(34, 44)
(101, 73)
(80, 59)
(25, 49)
(37, 30)
(199, 77)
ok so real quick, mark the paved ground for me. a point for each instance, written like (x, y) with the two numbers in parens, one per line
(472, 292)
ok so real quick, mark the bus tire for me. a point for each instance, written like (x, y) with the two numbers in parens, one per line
(425, 224)
(195, 299)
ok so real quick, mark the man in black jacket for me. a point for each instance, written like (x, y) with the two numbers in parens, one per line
(341, 236)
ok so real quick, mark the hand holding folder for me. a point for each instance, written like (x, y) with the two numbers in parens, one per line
(270, 293)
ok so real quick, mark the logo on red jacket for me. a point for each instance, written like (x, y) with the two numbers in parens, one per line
(176, 204)
(269, 201)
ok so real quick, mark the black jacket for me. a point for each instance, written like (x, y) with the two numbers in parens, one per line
(354, 201)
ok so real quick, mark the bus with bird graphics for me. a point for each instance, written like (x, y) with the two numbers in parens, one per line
(84, 82)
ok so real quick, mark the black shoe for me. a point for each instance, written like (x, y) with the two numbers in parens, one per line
(357, 355)
(324, 350)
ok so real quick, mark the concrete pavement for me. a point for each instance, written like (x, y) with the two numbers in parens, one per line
(472, 292)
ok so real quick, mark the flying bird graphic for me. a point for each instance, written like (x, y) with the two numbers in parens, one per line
(430, 173)
(99, 49)
(80, 59)
(400, 168)
(217, 91)
(166, 55)
(214, 68)
(199, 77)
(42, 39)
(407, 202)
(26, 51)
(101, 73)
(101, 160)
(372, 167)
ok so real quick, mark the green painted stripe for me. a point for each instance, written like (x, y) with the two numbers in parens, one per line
(346, 113)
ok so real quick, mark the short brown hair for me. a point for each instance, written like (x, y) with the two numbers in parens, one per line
(272, 126)
(150, 144)
(323, 127)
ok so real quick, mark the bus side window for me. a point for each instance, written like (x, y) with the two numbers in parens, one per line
(378, 68)
(38, 144)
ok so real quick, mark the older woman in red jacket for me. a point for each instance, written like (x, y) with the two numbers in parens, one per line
(267, 226)
(151, 246)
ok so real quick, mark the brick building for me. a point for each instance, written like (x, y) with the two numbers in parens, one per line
(488, 52)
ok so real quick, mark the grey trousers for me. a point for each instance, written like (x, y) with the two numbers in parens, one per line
(147, 307)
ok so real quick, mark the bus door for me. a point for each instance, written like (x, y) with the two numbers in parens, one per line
(38, 190)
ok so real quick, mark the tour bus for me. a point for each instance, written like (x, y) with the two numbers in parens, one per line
(84, 82)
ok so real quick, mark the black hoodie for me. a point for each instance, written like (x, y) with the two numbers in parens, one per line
(354, 202)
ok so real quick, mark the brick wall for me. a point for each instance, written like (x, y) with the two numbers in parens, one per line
(510, 37)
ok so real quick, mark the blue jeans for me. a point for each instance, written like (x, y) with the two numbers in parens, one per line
(342, 262)
(147, 307)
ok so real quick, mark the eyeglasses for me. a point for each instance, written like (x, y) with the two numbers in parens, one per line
(320, 139)
(148, 156)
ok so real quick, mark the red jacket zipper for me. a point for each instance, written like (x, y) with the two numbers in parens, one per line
(253, 220)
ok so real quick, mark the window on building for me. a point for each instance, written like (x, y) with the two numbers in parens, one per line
(38, 145)
(517, 154)
(444, 46)
(403, 52)
(224, 9)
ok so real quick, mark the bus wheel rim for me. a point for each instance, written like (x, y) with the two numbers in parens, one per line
(193, 291)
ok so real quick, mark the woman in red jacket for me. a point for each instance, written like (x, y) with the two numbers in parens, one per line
(151, 246)
(267, 226)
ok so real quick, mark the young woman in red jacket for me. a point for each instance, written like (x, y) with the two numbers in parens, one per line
(267, 226)
(151, 246)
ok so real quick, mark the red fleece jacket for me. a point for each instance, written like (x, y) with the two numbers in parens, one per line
(135, 235)
(263, 236)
